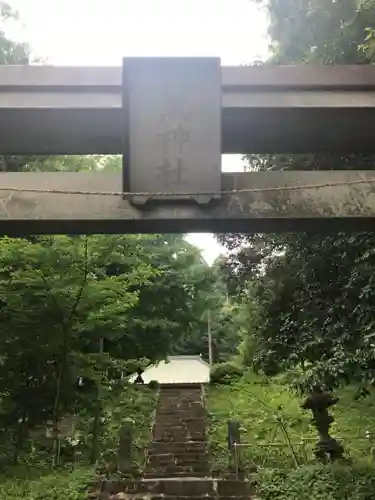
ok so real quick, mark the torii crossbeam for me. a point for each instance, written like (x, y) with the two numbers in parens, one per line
(172, 119)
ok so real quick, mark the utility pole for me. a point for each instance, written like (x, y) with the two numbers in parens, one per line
(95, 450)
(209, 334)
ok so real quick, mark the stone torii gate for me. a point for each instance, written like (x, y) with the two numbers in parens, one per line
(171, 119)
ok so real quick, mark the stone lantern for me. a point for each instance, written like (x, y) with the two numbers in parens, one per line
(327, 448)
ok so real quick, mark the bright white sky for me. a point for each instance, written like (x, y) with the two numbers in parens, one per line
(83, 32)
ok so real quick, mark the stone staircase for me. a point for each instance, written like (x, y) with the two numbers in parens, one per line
(176, 489)
(179, 445)
(178, 462)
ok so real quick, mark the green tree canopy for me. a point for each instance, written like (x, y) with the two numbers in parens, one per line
(311, 295)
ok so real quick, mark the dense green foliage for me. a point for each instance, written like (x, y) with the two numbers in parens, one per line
(311, 297)
(34, 475)
(78, 314)
(56, 486)
(275, 431)
(316, 482)
(214, 311)
(225, 373)
(62, 296)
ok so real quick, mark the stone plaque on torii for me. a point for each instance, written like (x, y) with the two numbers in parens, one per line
(171, 119)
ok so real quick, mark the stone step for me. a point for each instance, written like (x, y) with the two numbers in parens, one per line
(176, 475)
(178, 419)
(179, 402)
(132, 496)
(127, 496)
(178, 428)
(191, 423)
(178, 459)
(192, 487)
(173, 470)
(182, 390)
(169, 410)
(164, 463)
(184, 394)
(187, 433)
(197, 412)
(167, 440)
(180, 399)
(177, 434)
(178, 408)
(172, 438)
(160, 447)
(180, 396)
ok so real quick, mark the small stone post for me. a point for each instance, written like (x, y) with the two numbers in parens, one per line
(327, 448)
(234, 438)
(125, 463)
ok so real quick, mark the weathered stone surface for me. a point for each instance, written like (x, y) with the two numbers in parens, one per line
(52, 110)
(261, 201)
(179, 446)
(179, 458)
(235, 488)
(179, 487)
(162, 447)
